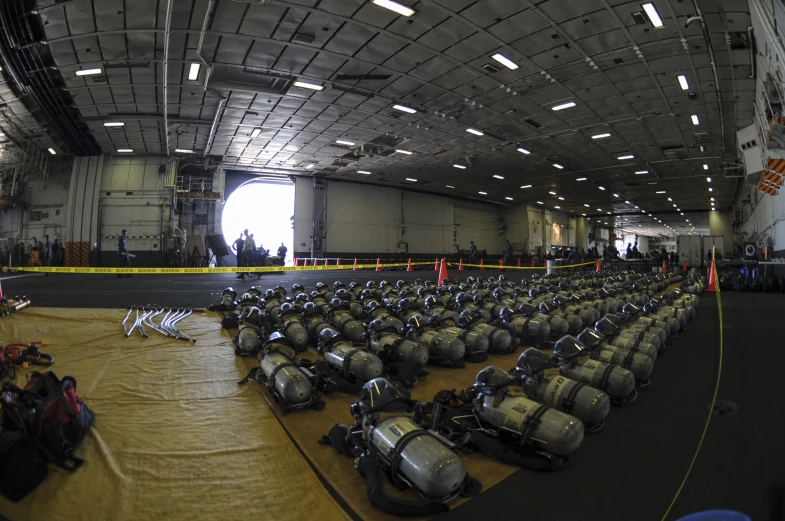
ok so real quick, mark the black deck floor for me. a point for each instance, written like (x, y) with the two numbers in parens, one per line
(633, 468)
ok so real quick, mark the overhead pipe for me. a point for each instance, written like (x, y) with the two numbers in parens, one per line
(167, 32)
(713, 61)
(208, 15)
(752, 53)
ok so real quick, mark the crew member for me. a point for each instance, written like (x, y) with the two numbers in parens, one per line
(282, 249)
(47, 252)
(507, 252)
(237, 246)
(249, 253)
(56, 253)
(122, 251)
(472, 253)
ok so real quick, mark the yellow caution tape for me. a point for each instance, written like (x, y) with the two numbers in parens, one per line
(505, 267)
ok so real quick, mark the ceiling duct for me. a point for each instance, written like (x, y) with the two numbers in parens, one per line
(362, 77)
(127, 64)
(353, 90)
(225, 77)
(675, 152)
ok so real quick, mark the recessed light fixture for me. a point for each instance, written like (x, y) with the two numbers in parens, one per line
(703, 148)
(695, 119)
(125, 150)
(563, 106)
(661, 192)
(601, 188)
(526, 186)
(674, 205)
(669, 199)
(599, 209)
(483, 193)
(600, 136)
(583, 214)
(255, 132)
(474, 131)
(712, 198)
(52, 151)
(587, 205)
(183, 151)
(638, 208)
(557, 207)
(505, 61)
(366, 172)
(114, 124)
(306, 85)
(608, 213)
(705, 167)
(641, 172)
(310, 166)
(628, 156)
(450, 186)
(193, 71)
(344, 142)
(711, 189)
(395, 6)
(615, 195)
(412, 180)
(627, 202)
(404, 108)
(508, 198)
(557, 165)
(552, 193)
(540, 202)
(654, 16)
(581, 179)
(404, 152)
(497, 176)
(524, 151)
(459, 166)
(561, 198)
(683, 82)
(88, 72)
(708, 179)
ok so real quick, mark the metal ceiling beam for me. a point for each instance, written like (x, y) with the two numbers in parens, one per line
(167, 32)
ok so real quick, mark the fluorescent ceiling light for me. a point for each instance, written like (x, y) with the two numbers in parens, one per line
(654, 16)
(695, 120)
(193, 71)
(552, 193)
(505, 61)
(526, 186)
(557, 165)
(88, 72)
(608, 213)
(627, 202)
(496, 176)
(404, 152)
(599, 210)
(52, 151)
(661, 192)
(641, 172)
(712, 198)
(343, 142)
(557, 207)
(395, 6)
(460, 166)
(581, 179)
(508, 198)
(628, 156)
(121, 150)
(674, 205)
(404, 108)
(450, 186)
(483, 193)
(683, 82)
(601, 188)
(583, 214)
(183, 151)
(523, 151)
(474, 131)
(306, 85)
(615, 195)
(561, 198)
(539, 202)
(669, 199)
(563, 106)
(587, 206)
(366, 172)
(703, 148)
(114, 124)
(600, 136)
(711, 189)
(708, 179)
(310, 166)
(255, 132)
(412, 180)
(705, 167)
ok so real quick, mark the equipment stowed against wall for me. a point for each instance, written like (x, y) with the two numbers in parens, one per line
(167, 326)
(385, 441)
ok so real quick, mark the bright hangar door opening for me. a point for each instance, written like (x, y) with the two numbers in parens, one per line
(266, 210)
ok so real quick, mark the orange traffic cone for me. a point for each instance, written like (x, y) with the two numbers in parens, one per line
(599, 266)
(685, 266)
(355, 265)
(482, 264)
(519, 262)
(305, 263)
(501, 263)
(664, 267)
(338, 261)
(295, 262)
(460, 264)
(436, 266)
(712, 282)
(378, 264)
(532, 262)
(409, 267)
(442, 272)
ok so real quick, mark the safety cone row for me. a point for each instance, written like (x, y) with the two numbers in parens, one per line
(460, 264)
(442, 272)
(409, 267)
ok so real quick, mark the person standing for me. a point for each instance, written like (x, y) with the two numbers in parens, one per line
(507, 252)
(472, 253)
(249, 251)
(47, 252)
(122, 251)
(238, 246)
(282, 249)
(56, 253)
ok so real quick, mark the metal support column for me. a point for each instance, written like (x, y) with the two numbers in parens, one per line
(319, 235)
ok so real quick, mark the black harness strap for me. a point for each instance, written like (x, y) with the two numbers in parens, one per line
(627, 362)
(396, 454)
(569, 400)
(532, 421)
(606, 376)
(346, 360)
(271, 378)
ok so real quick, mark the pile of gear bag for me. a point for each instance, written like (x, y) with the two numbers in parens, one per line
(606, 333)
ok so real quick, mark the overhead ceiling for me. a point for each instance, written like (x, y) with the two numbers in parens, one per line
(605, 56)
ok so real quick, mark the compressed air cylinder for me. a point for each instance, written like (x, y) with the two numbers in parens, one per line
(618, 382)
(499, 340)
(559, 326)
(670, 311)
(431, 467)
(404, 349)
(628, 337)
(442, 346)
(288, 381)
(484, 313)
(362, 364)
(635, 345)
(574, 322)
(556, 432)
(586, 403)
(356, 310)
(295, 333)
(532, 329)
(350, 327)
(585, 315)
(674, 326)
(474, 342)
(314, 325)
(248, 340)
(640, 365)
(644, 330)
